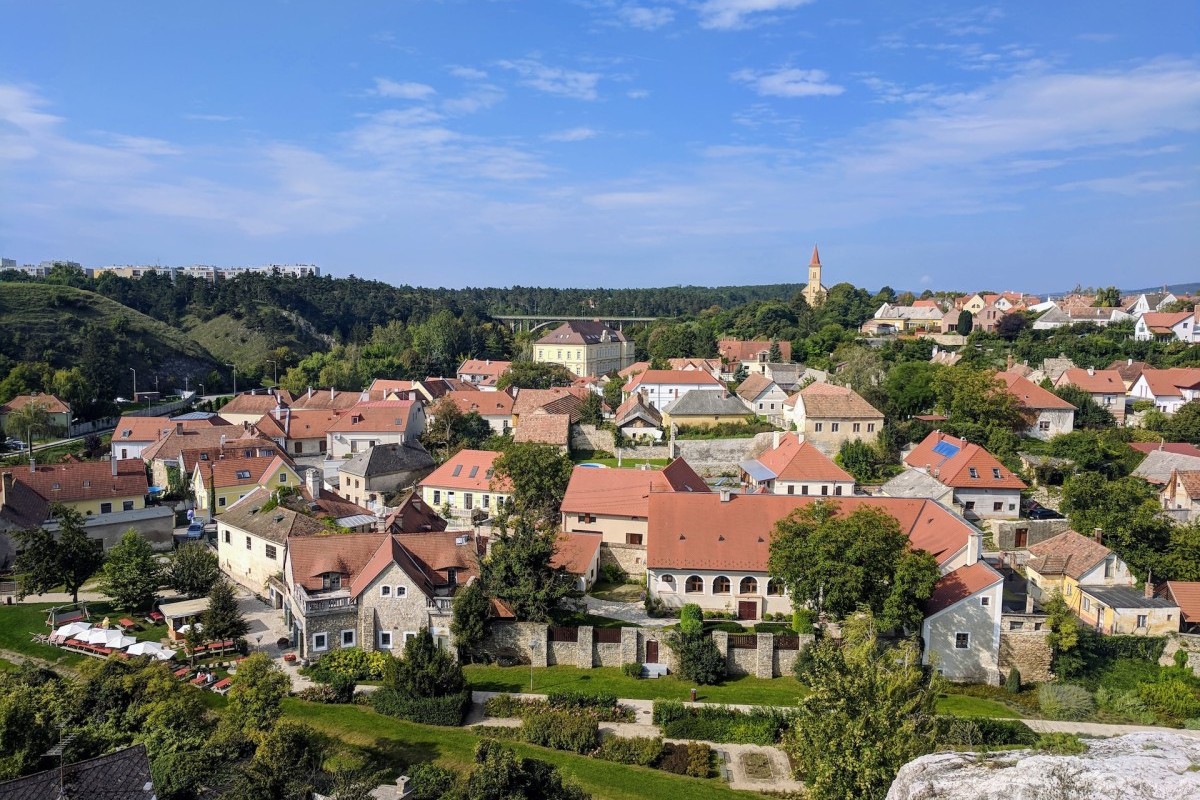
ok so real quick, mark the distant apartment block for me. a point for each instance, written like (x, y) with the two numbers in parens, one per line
(210, 273)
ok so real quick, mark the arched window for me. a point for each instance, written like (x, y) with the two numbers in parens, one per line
(667, 583)
(775, 588)
(748, 586)
(694, 585)
(720, 585)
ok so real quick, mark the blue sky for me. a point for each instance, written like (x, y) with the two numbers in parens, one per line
(609, 143)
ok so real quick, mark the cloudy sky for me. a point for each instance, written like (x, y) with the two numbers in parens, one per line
(609, 143)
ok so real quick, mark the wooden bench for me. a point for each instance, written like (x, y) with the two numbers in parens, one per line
(182, 672)
(222, 686)
(155, 617)
(126, 623)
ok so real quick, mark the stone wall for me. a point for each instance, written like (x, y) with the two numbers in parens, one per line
(643, 452)
(1028, 651)
(1039, 530)
(511, 639)
(562, 653)
(608, 655)
(589, 437)
(711, 457)
(629, 557)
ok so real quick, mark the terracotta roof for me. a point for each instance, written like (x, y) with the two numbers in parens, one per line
(1162, 322)
(795, 460)
(275, 525)
(485, 404)
(325, 505)
(389, 459)
(237, 448)
(960, 584)
(582, 332)
(467, 470)
(830, 401)
(228, 472)
(347, 554)
(672, 377)
(120, 775)
(427, 558)
(952, 460)
(700, 531)
(1068, 553)
(387, 385)
(301, 424)
(389, 416)
(414, 515)
(1097, 381)
(749, 350)
(1031, 396)
(74, 481)
(544, 428)
(559, 400)
(171, 446)
(626, 492)
(53, 404)
(636, 405)
(330, 399)
(476, 366)
(753, 386)
(576, 552)
(151, 429)
(1168, 382)
(1186, 595)
(251, 404)
(1129, 369)
(1189, 480)
(1177, 448)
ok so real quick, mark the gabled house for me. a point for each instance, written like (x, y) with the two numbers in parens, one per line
(1174, 326)
(58, 412)
(704, 409)
(218, 484)
(827, 415)
(891, 319)
(1182, 494)
(750, 354)
(322, 504)
(496, 408)
(764, 397)
(614, 506)
(918, 484)
(558, 400)
(369, 477)
(1186, 595)
(1147, 302)
(1168, 389)
(578, 554)
(1060, 315)
(586, 347)
(248, 408)
(181, 449)
(795, 466)
(298, 433)
(374, 591)
(464, 484)
(1129, 370)
(374, 423)
(713, 550)
(1046, 414)
(1164, 460)
(332, 400)
(252, 542)
(636, 418)
(413, 515)
(134, 434)
(664, 386)
(1105, 386)
(482, 373)
(1097, 586)
(983, 487)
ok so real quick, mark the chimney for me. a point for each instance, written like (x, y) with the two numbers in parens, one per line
(974, 547)
(1098, 535)
(222, 441)
(725, 495)
(1091, 370)
(179, 427)
(313, 481)
(278, 412)
(1008, 362)
(1028, 603)
(113, 461)
(310, 393)
(775, 440)
(1149, 590)
(331, 393)
(1129, 362)
(6, 487)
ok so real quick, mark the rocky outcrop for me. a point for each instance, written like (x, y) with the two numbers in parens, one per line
(1137, 766)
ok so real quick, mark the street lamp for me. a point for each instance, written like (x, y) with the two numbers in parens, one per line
(234, 378)
(532, 649)
(134, 371)
(276, 365)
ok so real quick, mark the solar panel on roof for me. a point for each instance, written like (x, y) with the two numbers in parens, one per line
(946, 449)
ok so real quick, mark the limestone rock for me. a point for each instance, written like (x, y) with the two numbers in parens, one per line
(1136, 766)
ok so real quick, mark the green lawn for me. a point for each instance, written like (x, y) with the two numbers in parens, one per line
(619, 592)
(20, 621)
(744, 690)
(398, 744)
(627, 462)
(961, 705)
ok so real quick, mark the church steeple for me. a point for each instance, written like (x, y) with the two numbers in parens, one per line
(814, 292)
(816, 259)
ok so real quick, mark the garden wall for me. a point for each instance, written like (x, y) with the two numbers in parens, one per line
(589, 437)
(711, 457)
(1025, 649)
(629, 557)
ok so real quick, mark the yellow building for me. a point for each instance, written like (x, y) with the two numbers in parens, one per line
(704, 408)
(92, 488)
(1122, 610)
(219, 484)
(814, 291)
(465, 484)
(587, 348)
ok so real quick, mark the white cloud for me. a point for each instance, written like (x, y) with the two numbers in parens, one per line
(406, 90)
(571, 135)
(467, 73)
(725, 15)
(477, 99)
(554, 80)
(1129, 185)
(637, 94)
(210, 117)
(648, 18)
(789, 83)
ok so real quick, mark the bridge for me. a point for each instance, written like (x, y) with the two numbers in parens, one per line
(531, 322)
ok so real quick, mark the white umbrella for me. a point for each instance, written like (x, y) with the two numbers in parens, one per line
(72, 628)
(150, 649)
(188, 627)
(118, 641)
(95, 636)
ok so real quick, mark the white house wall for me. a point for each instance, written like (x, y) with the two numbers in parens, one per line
(979, 660)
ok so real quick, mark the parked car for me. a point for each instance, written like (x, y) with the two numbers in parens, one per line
(14, 444)
(195, 531)
(1041, 512)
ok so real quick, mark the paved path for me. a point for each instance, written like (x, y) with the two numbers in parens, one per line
(1101, 729)
(64, 598)
(633, 613)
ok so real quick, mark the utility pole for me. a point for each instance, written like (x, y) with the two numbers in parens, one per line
(275, 364)
(134, 371)
(234, 377)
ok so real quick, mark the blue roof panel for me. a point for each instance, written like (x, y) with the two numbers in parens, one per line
(946, 449)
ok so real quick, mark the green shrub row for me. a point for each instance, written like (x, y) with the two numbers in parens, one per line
(983, 732)
(450, 710)
(690, 758)
(719, 723)
(642, 751)
(351, 663)
(601, 707)
(570, 699)
(562, 730)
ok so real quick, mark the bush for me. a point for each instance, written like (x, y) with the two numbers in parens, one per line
(343, 687)
(641, 751)
(720, 724)
(562, 730)
(567, 699)
(599, 707)
(508, 732)
(1173, 698)
(699, 659)
(1127, 706)
(691, 619)
(612, 573)
(505, 706)
(1061, 744)
(359, 665)
(429, 781)
(1064, 701)
(691, 758)
(802, 620)
(803, 666)
(450, 710)
(632, 670)
(1012, 683)
(983, 731)
(1192, 724)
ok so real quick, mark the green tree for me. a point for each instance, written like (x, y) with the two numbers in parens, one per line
(535, 375)
(223, 620)
(1089, 414)
(1184, 424)
(871, 710)
(613, 394)
(1128, 512)
(538, 475)
(286, 766)
(1181, 561)
(45, 561)
(194, 570)
(835, 564)
(860, 459)
(468, 623)
(1012, 325)
(592, 410)
(1109, 297)
(426, 670)
(700, 660)
(691, 619)
(1066, 637)
(30, 421)
(450, 430)
(975, 397)
(31, 713)
(132, 575)
(965, 323)
(518, 572)
(909, 388)
(775, 354)
(499, 774)
(257, 693)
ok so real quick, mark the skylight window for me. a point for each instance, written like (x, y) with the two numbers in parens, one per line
(457, 471)
(474, 471)
(243, 474)
(974, 472)
(996, 473)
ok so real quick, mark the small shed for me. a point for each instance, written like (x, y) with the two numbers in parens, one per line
(185, 612)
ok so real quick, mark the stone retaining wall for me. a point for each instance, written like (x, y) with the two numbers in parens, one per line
(1029, 652)
(711, 457)
(589, 437)
(629, 557)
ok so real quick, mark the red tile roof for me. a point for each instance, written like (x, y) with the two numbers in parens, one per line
(386, 416)
(576, 552)
(672, 377)
(171, 446)
(1164, 322)
(52, 404)
(753, 386)
(559, 400)
(469, 470)
(582, 332)
(427, 558)
(476, 366)
(955, 470)
(543, 428)
(75, 481)
(225, 472)
(1097, 381)
(636, 405)
(1178, 448)
(1186, 595)
(1129, 369)
(387, 385)
(236, 448)
(626, 492)
(309, 557)
(330, 399)
(252, 404)
(142, 429)
(1068, 553)
(749, 350)
(795, 460)
(830, 401)
(414, 515)
(960, 584)
(485, 404)
(1168, 382)
(1189, 480)
(700, 531)
(1031, 396)
(301, 424)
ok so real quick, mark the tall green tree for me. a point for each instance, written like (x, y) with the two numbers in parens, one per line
(132, 574)
(535, 375)
(194, 570)
(1126, 510)
(286, 766)
(613, 394)
(223, 619)
(965, 323)
(592, 410)
(975, 397)
(518, 572)
(45, 561)
(500, 774)
(538, 475)
(469, 620)
(871, 710)
(30, 421)
(257, 693)
(836, 563)
(425, 670)
(1089, 414)
(1108, 297)
(909, 388)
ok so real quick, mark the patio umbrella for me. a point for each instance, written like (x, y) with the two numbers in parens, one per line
(188, 627)
(148, 649)
(94, 636)
(118, 641)
(72, 628)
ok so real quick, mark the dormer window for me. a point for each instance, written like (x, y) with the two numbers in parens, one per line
(204, 456)
(452, 576)
(56, 486)
(474, 471)
(331, 580)
(996, 473)
(974, 472)
(244, 474)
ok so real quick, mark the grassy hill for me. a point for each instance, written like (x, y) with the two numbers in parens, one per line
(250, 342)
(44, 322)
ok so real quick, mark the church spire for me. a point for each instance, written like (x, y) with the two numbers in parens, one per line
(816, 259)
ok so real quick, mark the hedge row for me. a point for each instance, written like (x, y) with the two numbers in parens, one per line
(719, 723)
(687, 758)
(600, 707)
(562, 730)
(983, 731)
(450, 710)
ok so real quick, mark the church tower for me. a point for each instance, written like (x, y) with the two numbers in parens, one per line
(815, 292)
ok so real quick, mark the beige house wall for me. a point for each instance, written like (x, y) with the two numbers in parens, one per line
(674, 593)
(612, 529)
(245, 557)
(828, 440)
